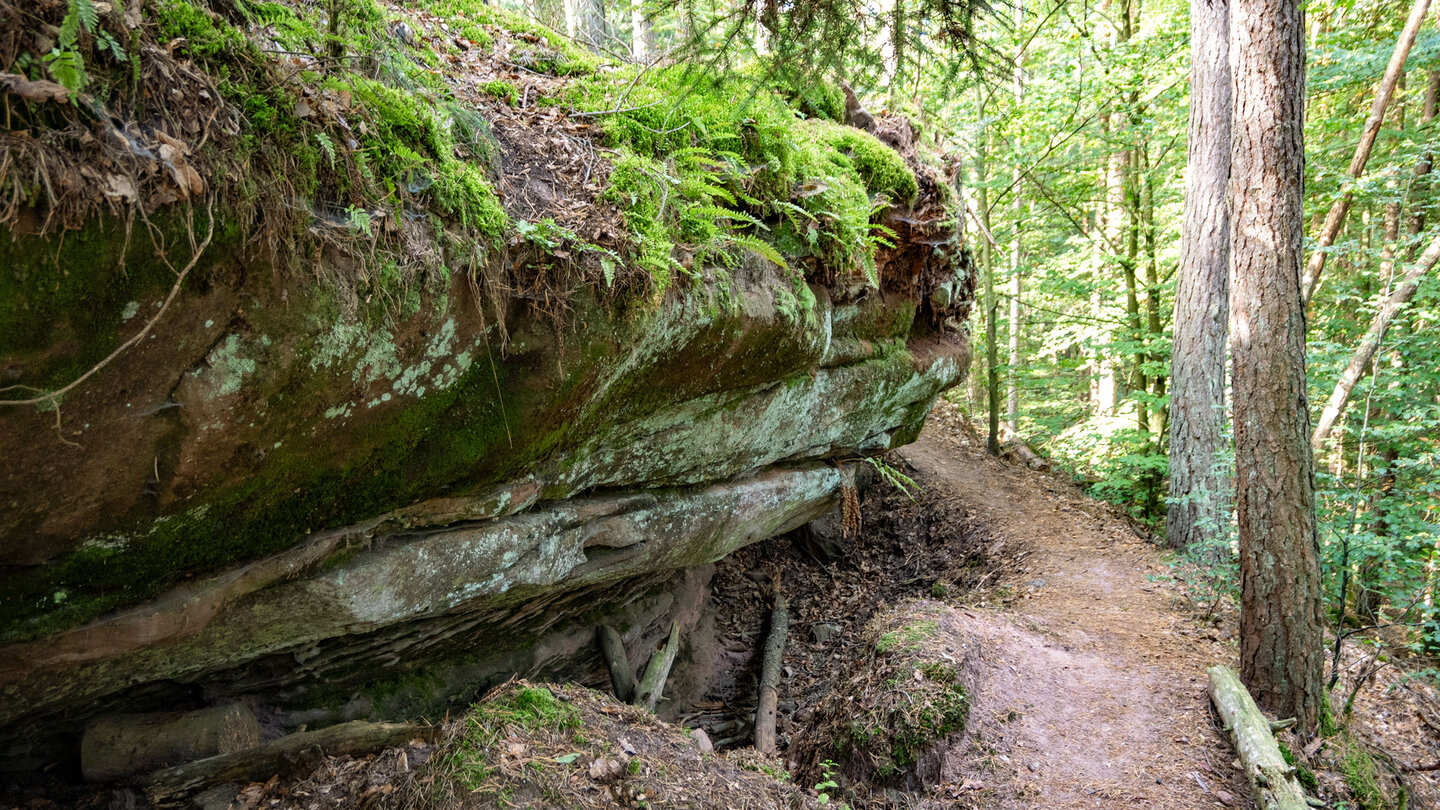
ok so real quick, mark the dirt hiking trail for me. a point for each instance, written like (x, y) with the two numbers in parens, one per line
(1091, 687)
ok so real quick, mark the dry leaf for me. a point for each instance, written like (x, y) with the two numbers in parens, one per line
(120, 187)
(39, 91)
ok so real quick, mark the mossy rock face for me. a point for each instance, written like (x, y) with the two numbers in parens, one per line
(458, 490)
(901, 706)
(314, 464)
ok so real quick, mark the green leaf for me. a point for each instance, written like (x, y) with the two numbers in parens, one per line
(68, 68)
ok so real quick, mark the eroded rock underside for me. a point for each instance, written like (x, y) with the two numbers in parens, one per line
(349, 500)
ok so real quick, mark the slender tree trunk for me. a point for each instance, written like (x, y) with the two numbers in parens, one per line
(1336, 218)
(1422, 166)
(1017, 249)
(1110, 222)
(1129, 264)
(1197, 361)
(1370, 344)
(642, 32)
(1159, 413)
(987, 265)
(897, 44)
(1281, 611)
(1155, 410)
(594, 30)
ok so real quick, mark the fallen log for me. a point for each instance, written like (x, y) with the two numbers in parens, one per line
(657, 671)
(622, 677)
(121, 746)
(765, 710)
(1014, 447)
(172, 786)
(1272, 779)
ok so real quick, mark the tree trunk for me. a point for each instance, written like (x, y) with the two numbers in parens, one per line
(572, 18)
(1422, 166)
(1197, 362)
(642, 32)
(593, 30)
(992, 358)
(612, 649)
(1280, 611)
(1336, 218)
(897, 46)
(1017, 249)
(172, 786)
(1370, 344)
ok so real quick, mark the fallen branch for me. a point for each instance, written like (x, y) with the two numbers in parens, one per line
(657, 671)
(172, 786)
(622, 677)
(1271, 778)
(765, 710)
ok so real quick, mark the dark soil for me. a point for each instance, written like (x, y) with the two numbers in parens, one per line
(922, 547)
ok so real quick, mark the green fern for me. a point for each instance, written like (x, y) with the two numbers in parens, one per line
(703, 211)
(65, 62)
(793, 213)
(68, 68)
(760, 246)
(328, 145)
(899, 480)
(693, 188)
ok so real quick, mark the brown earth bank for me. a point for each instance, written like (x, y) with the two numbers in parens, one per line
(1079, 657)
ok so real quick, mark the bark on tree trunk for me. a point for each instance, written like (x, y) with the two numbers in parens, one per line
(1281, 611)
(1336, 218)
(1370, 344)
(1422, 166)
(594, 30)
(642, 32)
(1197, 363)
(652, 684)
(1012, 394)
(612, 649)
(987, 264)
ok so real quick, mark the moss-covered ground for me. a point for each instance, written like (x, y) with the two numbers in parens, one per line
(551, 746)
(906, 698)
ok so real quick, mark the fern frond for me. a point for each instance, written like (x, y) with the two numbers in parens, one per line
(696, 188)
(85, 10)
(761, 247)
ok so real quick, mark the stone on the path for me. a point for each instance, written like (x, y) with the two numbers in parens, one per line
(702, 740)
(823, 632)
(123, 745)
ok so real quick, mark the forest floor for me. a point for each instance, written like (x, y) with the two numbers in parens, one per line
(1092, 688)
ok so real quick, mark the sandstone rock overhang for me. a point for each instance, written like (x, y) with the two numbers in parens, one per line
(290, 489)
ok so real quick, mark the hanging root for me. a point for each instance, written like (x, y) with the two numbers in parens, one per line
(53, 398)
